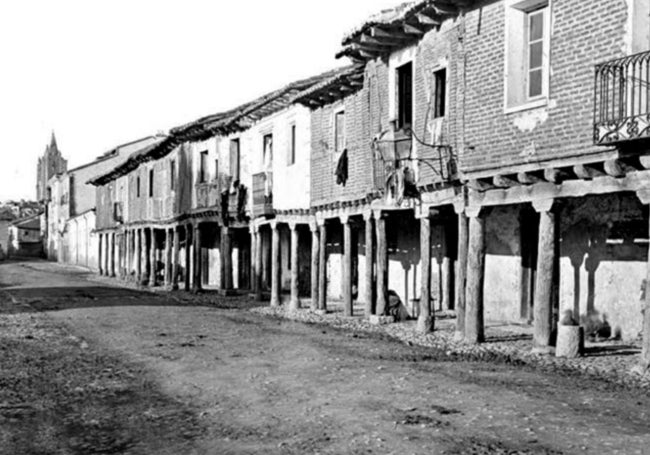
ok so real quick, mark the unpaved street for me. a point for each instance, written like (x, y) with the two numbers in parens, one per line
(210, 378)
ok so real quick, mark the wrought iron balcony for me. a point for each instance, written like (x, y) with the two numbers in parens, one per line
(622, 100)
(262, 194)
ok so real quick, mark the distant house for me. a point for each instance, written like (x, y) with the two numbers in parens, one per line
(6, 217)
(24, 237)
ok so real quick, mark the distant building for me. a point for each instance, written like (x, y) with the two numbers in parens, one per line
(25, 237)
(70, 219)
(6, 217)
(49, 165)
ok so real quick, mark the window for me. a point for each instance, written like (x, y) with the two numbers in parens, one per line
(150, 182)
(292, 145)
(339, 131)
(535, 35)
(172, 174)
(527, 50)
(439, 92)
(404, 95)
(216, 169)
(137, 186)
(234, 159)
(267, 152)
(203, 167)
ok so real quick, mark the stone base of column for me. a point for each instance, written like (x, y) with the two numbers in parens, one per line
(275, 302)
(320, 312)
(570, 341)
(424, 324)
(175, 287)
(380, 320)
(227, 292)
(543, 350)
(294, 304)
(459, 336)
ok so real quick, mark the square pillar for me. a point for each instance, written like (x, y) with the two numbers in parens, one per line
(138, 255)
(382, 264)
(168, 258)
(644, 196)
(257, 265)
(322, 267)
(111, 259)
(315, 249)
(100, 255)
(474, 322)
(425, 320)
(275, 265)
(294, 303)
(543, 306)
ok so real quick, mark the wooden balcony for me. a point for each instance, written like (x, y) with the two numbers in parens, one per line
(262, 195)
(208, 194)
(622, 100)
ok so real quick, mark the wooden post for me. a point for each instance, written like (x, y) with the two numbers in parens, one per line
(294, 303)
(644, 196)
(100, 255)
(322, 267)
(426, 318)
(168, 258)
(129, 253)
(275, 265)
(146, 257)
(253, 280)
(370, 262)
(138, 255)
(474, 324)
(226, 258)
(447, 267)
(111, 241)
(257, 276)
(461, 271)
(382, 264)
(315, 248)
(175, 257)
(152, 259)
(197, 285)
(543, 307)
(347, 265)
(188, 257)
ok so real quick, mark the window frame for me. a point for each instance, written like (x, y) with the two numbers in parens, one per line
(291, 156)
(338, 148)
(172, 174)
(151, 182)
(516, 61)
(440, 99)
(237, 165)
(203, 162)
(404, 111)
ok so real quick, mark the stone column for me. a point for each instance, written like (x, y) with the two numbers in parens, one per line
(543, 306)
(275, 265)
(425, 320)
(257, 272)
(152, 259)
(474, 324)
(100, 254)
(168, 258)
(382, 264)
(294, 303)
(322, 267)
(461, 271)
(447, 268)
(188, 257)
(370, 263)
(138, 255)
(175, 257)
(315, 248)
(196, 282)
(226, 259)
(644, 197)
(127, 254)
(111, 241)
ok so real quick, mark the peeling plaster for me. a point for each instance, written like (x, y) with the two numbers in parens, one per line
(528, 121)
(529, 151)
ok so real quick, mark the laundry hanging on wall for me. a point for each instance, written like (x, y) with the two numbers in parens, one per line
(341, 172)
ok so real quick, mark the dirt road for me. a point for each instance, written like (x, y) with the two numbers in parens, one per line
(222, 380)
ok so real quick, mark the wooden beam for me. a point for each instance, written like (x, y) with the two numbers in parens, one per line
(371, 48)
(528, 178)
(412, 30)
(445, 8)
(644, 160)
(391, 41)
(503, 181)
(427, 20)
(587, 171)
(616, 168)
(555, 175)
(368, 55)
(480, 185)
(393, 33)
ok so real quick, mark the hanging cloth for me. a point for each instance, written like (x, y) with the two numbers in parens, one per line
(341, 172)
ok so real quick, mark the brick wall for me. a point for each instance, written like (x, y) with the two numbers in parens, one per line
(582, 35)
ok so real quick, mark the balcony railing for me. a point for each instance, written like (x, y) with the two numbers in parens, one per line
(622, 100)
(262, 194)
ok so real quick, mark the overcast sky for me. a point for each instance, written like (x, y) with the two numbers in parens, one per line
(101, 73)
